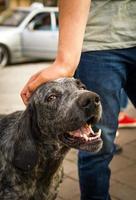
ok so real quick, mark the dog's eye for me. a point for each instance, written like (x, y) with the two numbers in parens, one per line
(52, 97)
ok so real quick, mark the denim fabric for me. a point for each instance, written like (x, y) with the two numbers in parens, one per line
(105, 72)
(124, 100)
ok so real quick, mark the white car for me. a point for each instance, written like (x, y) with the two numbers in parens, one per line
(28, 33)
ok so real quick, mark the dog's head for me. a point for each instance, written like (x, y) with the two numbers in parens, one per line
(61, 111)
(65, 112)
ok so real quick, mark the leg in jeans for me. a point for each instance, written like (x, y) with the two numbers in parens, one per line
(124, 100)
(105, 73)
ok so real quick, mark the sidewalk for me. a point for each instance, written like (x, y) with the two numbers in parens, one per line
(123, 166)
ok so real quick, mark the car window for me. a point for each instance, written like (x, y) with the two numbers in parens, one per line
(42, 21)
(12, 17)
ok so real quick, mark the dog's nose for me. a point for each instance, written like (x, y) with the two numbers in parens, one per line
(88, 100)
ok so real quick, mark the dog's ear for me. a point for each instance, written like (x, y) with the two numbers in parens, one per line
(25, 152)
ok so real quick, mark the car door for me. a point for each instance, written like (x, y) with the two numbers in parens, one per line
(40, 37)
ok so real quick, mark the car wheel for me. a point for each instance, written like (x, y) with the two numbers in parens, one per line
(4, 56)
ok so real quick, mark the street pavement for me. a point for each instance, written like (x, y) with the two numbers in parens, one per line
(123, 166)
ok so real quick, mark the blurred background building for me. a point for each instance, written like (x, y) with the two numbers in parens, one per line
(3, 5)
(17, 3)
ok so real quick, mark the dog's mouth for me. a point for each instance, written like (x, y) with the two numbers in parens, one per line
(85, 133)
(83, 138)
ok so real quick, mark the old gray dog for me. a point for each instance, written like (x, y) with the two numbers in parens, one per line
(33, 142)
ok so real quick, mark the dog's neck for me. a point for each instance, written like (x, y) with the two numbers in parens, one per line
(28, 148)
(49, 147)
(50, 156)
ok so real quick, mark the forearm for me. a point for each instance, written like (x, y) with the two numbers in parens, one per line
(72, 21)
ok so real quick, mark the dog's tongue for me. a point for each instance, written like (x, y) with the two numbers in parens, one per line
(85, 132)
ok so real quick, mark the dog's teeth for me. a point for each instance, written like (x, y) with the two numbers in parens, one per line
(99, 133)
(90, 127)
(81, 135)
(85, 137)
(91, 130)
(90, 138)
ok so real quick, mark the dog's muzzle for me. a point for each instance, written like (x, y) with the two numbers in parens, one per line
(84, 137)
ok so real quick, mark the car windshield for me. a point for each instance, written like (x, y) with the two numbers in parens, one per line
(12, 17)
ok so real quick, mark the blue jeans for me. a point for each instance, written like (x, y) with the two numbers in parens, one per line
(105, 72)
(124, 100)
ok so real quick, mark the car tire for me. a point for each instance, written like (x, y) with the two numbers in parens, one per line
(4, 56)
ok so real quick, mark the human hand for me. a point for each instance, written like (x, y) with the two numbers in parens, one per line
(48, 74)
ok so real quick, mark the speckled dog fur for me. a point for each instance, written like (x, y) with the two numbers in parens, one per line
(31, 152)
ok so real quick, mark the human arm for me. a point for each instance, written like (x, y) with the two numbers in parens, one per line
(72, 21)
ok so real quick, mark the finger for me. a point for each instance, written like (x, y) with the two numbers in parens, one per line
(30, 88)
(24, 97)
(32, 78)
(33, 85)
(25, 93)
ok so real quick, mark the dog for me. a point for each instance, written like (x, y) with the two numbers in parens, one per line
(34, 142)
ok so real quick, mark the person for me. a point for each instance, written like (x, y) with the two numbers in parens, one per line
(124, 120)
(107, 64)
